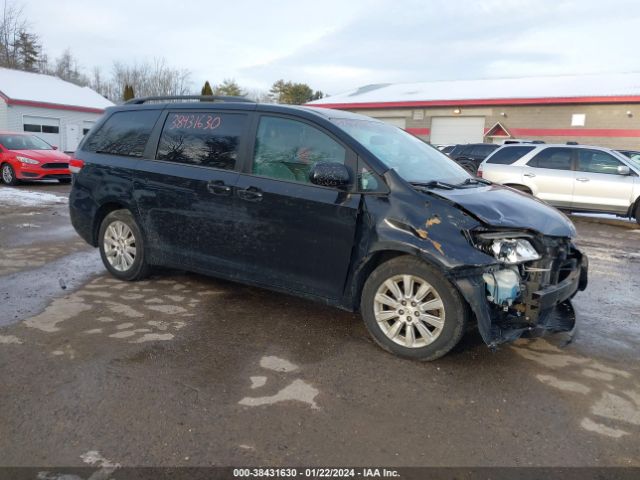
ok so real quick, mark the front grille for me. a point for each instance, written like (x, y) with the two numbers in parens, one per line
(55, 165)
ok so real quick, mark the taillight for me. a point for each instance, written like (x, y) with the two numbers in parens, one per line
(75, 165)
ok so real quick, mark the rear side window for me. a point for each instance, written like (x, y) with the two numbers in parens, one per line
(555, 158)
(483, 150)
(207, 139)
(124, 133)
(508, 155)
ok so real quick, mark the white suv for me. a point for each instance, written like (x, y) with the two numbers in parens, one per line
(578, 178)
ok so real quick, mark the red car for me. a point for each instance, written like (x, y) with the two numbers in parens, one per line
(26, 157)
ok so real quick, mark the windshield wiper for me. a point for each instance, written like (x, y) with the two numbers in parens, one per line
(434, 184)
(475, 181)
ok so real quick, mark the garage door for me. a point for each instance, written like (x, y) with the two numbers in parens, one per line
(46, 128)
(452, 130)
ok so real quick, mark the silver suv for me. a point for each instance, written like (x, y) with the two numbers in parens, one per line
(579, 178)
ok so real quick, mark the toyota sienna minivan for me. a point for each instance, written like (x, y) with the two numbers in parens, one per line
(327, 205)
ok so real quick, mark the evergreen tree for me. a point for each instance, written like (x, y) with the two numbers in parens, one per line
(293, 93)
(206, 89)
(27, 51)
(128, 93)
(229, 87)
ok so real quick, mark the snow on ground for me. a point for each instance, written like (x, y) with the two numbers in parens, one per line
(604, 215)
(17, 197)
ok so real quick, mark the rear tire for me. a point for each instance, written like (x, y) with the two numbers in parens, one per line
(406, 321)
(9, 175)
(122, 246)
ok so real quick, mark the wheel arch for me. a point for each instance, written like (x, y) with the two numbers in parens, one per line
(104, 210)
(373, 261)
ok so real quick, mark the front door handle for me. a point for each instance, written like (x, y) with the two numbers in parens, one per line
(530, 175)
(251, 194)
(582, 179)
(218, 187)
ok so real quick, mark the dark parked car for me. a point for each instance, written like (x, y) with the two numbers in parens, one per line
(471, 155)
(328, 205)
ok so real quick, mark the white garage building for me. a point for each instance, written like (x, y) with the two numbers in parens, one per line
(59, 112)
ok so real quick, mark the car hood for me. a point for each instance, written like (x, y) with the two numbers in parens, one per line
(44, 155)
(500, 206)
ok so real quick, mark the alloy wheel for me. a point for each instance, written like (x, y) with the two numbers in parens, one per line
(119, 246)
(409, 311)
(7, 174)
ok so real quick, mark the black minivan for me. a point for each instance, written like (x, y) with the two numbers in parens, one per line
(328, 205)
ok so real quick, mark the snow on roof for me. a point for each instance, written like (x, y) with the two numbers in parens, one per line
(39, 88)
(547, 88)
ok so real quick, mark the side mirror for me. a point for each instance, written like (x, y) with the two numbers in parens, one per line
(55, 147)
(624, 170)
(330, 175)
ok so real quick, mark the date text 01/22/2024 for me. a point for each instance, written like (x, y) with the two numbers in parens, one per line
(315, 473)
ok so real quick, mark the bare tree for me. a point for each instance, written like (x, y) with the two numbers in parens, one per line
(150, 79)
(12, 22)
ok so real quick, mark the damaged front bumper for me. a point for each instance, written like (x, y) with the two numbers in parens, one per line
(544, 302)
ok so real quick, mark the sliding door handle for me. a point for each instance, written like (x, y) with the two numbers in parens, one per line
(251, 194)
(218, 187)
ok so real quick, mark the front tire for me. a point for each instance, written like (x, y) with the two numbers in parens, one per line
(637, 212)
(122, 246)
(412, 310)
(9, 175)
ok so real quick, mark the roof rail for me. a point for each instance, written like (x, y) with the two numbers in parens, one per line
(209, 98)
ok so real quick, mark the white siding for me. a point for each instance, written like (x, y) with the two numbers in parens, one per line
(3, 114)
(16, 113)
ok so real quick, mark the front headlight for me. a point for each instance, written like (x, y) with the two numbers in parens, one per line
(30, 161)
(509, 247)
(513, 250)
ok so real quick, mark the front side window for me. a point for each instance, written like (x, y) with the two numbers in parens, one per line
(509, 155)
(124, 133)
(413, 159)
(555, 158)
(288, 149)
(207, 139)
(596, 161)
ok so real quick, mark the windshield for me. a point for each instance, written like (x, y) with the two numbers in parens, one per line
(413, 159)
(24, 142)
(634, 158)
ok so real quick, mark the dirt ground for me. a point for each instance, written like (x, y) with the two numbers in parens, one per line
(187, 370)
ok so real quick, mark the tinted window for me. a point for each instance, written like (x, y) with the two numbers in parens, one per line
(124, 133)
(508, 155)
(483, 150)
(288, 149)
(28, 127)
(556, 158)
(595, 161)
(208, 139)
(50, 129)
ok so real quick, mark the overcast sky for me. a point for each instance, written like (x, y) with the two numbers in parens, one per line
(335, 45)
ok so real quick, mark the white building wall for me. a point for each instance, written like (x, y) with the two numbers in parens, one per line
(3, 114)
(67, 118)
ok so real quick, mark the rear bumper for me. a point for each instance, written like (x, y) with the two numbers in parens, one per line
(544, 310)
